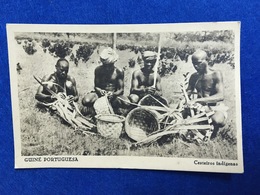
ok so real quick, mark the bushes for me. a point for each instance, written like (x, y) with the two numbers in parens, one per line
(166, 67)
(85, 51)
(61, 49)
(131, 62)
(218, 51)
(29, 47)
(45, 43)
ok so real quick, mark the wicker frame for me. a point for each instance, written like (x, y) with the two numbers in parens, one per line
(103, 106)
(110, 125)
(141, 122)
(148, 100)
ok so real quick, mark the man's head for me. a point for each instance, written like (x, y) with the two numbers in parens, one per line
(149, 58)
(108, 56)
(62, 68)
(199, 61)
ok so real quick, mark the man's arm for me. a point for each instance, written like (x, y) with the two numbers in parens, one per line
(158, 87)
(74, 90)
(41, 95)
(191, 85)
(119, 83)
(97, 83)
(219, 88)
(136, 88)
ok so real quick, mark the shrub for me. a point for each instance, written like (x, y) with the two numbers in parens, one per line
(85, 51)
(45, 43)
(60, 49)
(29, 47)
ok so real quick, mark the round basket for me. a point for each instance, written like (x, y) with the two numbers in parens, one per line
(110, 125)
(103, 106)
(141, 122)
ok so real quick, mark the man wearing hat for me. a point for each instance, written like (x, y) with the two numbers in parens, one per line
(143, 79)
(109, 80)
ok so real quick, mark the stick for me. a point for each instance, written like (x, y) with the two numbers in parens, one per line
(166, 107)
(157, 61)
(158, 108)
(114, 41)
(180, 141)
(109, 105)
(25, 89)
(187, 99)
(44, 86)
(182, 127)
(49, 82)
(185, 94)
(156, 136)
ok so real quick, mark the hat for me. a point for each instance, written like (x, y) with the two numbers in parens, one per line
(109, 56)
(149, 55)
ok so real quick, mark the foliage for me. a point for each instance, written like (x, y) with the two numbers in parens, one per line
(131, 62)
(61, 49)
(202, 36)
(45, 43)
(29, 47)
(85, 51)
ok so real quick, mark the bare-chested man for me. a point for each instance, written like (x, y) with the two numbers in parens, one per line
(59, 81)
(109, 80)
(209, 86)
(143, 79)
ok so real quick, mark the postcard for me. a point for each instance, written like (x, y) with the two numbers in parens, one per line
(144, 96)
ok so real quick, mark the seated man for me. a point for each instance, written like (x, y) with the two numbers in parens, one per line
(59, 81)
(109, 80)
(209, 86)
(143, 79)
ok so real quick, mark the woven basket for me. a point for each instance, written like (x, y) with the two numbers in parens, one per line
(141, 122)
(110, 125)
(103, 106)
(148, 100)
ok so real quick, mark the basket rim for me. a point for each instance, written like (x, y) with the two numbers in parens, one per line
(148, 95)
(104, 104)
(128, 128)
(119, 119)
(144, 109)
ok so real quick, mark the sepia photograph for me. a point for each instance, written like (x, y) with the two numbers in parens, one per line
(150, 96)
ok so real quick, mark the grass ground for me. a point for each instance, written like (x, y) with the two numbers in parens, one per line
(45, 134)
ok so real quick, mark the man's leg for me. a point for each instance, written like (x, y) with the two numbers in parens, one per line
(120, 105)
(134, 98)
(87, 102)
(218, 121)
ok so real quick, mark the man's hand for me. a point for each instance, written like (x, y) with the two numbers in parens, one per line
(150, 90)
(53, 97)
(196, 102)
(191, 103)
(62, 95)
(101, 92)
(58, 96)
(70, 99)
(110, 95)
(195, 105)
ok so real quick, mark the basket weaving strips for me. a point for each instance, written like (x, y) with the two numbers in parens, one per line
(141, 123)
(108, 129)
(102, 106)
